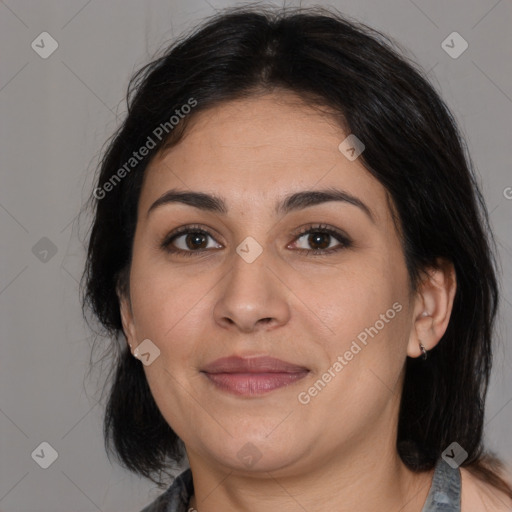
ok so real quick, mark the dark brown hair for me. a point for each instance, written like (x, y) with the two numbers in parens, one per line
(413, 147)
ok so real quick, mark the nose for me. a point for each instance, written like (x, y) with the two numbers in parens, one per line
(252, 297)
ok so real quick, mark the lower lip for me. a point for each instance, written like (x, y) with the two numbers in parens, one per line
(249, 384)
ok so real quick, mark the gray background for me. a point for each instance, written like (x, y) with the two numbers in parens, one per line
(56, 113)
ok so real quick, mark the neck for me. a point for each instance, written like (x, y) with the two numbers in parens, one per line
(377, 481)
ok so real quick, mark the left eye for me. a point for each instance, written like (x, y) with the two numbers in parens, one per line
(321, 239)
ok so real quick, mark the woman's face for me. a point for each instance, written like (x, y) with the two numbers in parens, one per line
(244, 286)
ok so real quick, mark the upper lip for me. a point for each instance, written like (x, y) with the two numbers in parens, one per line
(262, 364)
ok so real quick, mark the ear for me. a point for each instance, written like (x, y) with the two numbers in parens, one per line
(433, 307)
(127, 319)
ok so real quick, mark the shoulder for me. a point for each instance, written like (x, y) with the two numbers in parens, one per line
(479, 496)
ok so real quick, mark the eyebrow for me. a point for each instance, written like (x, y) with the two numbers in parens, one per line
(292, 202)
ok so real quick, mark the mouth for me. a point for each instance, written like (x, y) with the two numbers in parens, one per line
(252, 376)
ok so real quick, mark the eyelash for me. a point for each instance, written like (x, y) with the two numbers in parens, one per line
(166, 244)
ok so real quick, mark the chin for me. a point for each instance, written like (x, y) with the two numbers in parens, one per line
(251, 454)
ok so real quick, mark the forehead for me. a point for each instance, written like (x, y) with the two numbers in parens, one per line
(256, 150)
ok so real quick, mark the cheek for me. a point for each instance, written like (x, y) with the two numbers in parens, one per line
(351, 302)
(164, 298)
(367, 313)
(366, 356)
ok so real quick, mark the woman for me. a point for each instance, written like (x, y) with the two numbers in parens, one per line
(290, 238)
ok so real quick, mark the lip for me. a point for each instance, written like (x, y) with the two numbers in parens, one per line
(261, 364)
(252, 376)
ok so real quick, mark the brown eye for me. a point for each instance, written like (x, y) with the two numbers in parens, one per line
(188, 241)
(322, 240)
(196, 241)
(319, 240)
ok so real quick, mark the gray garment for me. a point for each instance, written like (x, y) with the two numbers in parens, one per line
(444, 494)
(177, 497)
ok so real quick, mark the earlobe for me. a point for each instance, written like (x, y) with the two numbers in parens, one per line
(127, 320)
(128, 324)
(434, 304)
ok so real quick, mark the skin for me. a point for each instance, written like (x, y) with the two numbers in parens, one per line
(338, 450)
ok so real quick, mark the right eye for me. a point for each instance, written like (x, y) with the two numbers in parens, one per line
(188, 240)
